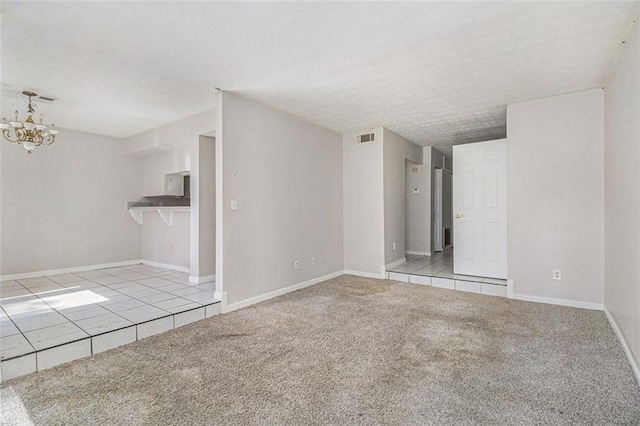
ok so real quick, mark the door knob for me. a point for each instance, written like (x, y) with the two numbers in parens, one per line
(458, 215)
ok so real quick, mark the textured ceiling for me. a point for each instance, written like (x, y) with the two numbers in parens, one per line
(436, 73)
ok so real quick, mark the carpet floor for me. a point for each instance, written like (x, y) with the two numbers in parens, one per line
(350, 350)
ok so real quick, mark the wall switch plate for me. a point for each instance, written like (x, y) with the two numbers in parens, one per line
(313, 260)
(296, 264)
(557, 274)
(394, 246)
(234, 205)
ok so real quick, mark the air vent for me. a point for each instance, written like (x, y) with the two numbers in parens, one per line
(366, 137)
(45, 99)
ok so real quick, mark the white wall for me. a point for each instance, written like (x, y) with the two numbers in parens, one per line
(65, 205)
(180, 133)
(417, 209)
(555, 195)
(163, 243)
(363, 198)
(396, 151)
(622, 194)
(155, 166)
(286, 176)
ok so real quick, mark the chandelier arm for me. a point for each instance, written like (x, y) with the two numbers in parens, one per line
(51, 139)
(7, 136)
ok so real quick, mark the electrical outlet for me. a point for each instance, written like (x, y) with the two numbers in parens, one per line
(557, 274)
(394, 246)
(296, 264)
(313, 260)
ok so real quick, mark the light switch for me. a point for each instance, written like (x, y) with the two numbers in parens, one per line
(234, 205)
(415, 190)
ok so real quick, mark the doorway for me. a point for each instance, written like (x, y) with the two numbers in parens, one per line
(441, 202)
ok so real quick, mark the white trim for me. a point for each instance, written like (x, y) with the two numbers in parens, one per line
(395, 263)
(165, 266)
(69, 270)
(625, 346)
(419, 253)
(553, 301)
(203, 279)
(222, 297)
(280, 292)
(365, 274)
(510, 285)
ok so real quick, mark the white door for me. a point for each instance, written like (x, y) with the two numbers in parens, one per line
(480, 209)
(437, 211)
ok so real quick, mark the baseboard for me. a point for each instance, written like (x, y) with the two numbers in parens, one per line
(418, 253)
(395, 263)
(69, 270)
(280, 292)
(510, 291)
(364, 274)
(625, 346)
(165, 266)
(553, 301)
(203, 279)
(222, 296)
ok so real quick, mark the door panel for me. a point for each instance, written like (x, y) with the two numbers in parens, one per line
(480, 209)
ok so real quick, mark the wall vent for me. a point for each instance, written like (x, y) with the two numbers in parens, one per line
(366, 137)
(45, 99)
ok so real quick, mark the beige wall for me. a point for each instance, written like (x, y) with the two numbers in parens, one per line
(363, 200)
(286, 176)
(203, 208)
(396, 151)
(163, 243)
(65, 205)
(622, 194)
(555, 195)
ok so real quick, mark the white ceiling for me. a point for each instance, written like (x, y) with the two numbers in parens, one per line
(436, 73)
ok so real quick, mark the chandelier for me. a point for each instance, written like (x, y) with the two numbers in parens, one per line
(29, 134)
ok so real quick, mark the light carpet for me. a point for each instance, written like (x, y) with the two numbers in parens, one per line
(350, 351)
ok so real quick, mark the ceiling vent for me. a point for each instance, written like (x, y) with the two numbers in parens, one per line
(45, 99)
(366, 137)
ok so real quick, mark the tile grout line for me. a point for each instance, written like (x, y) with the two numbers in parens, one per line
(63, 287)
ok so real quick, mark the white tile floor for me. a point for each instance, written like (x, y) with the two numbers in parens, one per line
(437, 271)
(44, 315)
(439, 265)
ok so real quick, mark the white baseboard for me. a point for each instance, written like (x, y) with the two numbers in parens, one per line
(395, 263)
(553, 301)
(550, 300)
(203, 279)
(418, 253)
(625, 346)
(69, 270)
(280, 292)
(222, 296)
(165, 266)
(365, 274)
